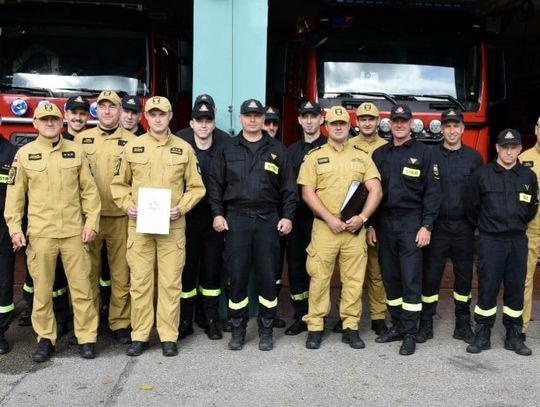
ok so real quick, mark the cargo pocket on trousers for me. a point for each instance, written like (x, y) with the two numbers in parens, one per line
(312, 262)
(181, 245)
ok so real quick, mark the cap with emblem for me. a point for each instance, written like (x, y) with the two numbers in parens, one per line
(309, 107)
(131, 103)
(47, 109)
(251, 106)
(202, 110)
(109, 95)
(337, 114)
(271, 113)
(77, 102)
(452, 115)
(158, 102)
(367, 109)
(205, 98)
(508, 136)
(400, 112)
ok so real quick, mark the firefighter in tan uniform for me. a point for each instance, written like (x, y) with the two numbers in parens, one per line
(157, 159)
(325, 176)
(367, 117)
(52, 175)
(531, 158)
(103, 145)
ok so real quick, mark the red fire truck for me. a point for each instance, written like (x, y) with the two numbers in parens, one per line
(431, 58)
(51, 51)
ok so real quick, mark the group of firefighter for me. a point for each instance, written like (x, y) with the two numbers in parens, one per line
(242, 205)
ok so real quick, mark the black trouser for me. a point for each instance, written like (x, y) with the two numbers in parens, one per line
(252, 242)
(297, 242)
(456, 241)
(105, 279)
(501, 261)
(204, 254)
(7, 269)
(401, 267)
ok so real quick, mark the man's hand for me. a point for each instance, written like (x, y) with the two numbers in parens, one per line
(18, 240)
(335, 224)
(371, 236)
(354, 224)
(88, 235)
(132, 211)
(423, 237)
(175, 213)
(284, 226)
(220, 224)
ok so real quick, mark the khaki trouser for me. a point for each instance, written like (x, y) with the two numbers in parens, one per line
(375, 286)
(141, 257)
(112, 232)
(42, 254)
(532, 261)
(323, 249)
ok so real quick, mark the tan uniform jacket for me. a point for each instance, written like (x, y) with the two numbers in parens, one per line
(368, 144)
(62, 195)
(531, 159)
(102, 151)
(149, 162)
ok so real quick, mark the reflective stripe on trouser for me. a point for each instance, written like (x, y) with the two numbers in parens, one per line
(322, 252)
(501, 261)
(252, 243)
(42, 256)
(113, 233)
(141, 256)
(375, 285)
(7, 269)
(532, 261)
(454, 240)
(401, 266)
(297, 242)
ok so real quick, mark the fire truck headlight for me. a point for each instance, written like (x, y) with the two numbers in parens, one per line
(19, 107)
(435, 126)
(417, 126)
(93, 110)
(384, 125)
(41, 102)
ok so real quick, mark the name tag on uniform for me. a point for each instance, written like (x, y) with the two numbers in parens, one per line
(529, 164)
(411, 172)
(68, 154)
(523, 197)
(4, 178)
(323, 160)
(137, 150)
(271, 167)
(176, 150)
(34, 157)
(88, 140)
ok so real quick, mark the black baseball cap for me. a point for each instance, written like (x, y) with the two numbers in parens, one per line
(131, 103)
(77, 102)
(309, 107)
(205, 98)
(251, 106)
(271, 113)
(452, 115)
(400, 111)
(202, 110)
(508, 136)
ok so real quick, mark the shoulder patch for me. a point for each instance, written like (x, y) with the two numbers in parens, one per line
(323, 160)
(34, 157)
(529, 164)
(177, 150)
(117, 167)
(122, 142)
(313, 149)
(11, 176)
(360, 148)
(88, 140)
(137, 150)
(68, 154)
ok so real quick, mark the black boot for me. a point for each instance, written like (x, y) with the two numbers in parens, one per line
(514, 341)
(352, 337)
(482, 339)
(463, 329)
(4, 345)
(378, 326)
(266, 341)
(185, 329)
(212, 330)
(25, 319)
(314, 339)
(297, 327)
(408, 346)
(44, 350)
(393, 334)
(238, 334)
(425, 329)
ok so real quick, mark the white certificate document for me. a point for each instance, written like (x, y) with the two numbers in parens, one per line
(153, 210)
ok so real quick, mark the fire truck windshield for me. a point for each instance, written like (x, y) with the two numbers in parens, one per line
(60, 61)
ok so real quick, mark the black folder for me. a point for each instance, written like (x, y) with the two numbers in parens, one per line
(354, 200)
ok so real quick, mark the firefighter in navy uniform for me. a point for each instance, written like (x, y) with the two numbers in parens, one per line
(453, 234)
(502, 200)
(403, 225)
(252, 195)
(310, 118)
(7, 257)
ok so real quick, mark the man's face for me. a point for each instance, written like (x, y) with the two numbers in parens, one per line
(48, 126)
(202, 126)
(401, 128)
(158, 121)
(76, 119)
(271, 126)
(367, 125)
(508, 153)
(108, 114)
(311, 123)
(252, 122)
(338, 130)
(129, 119)
(452, 132)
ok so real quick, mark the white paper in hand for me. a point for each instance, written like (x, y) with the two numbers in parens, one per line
(153, 210)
